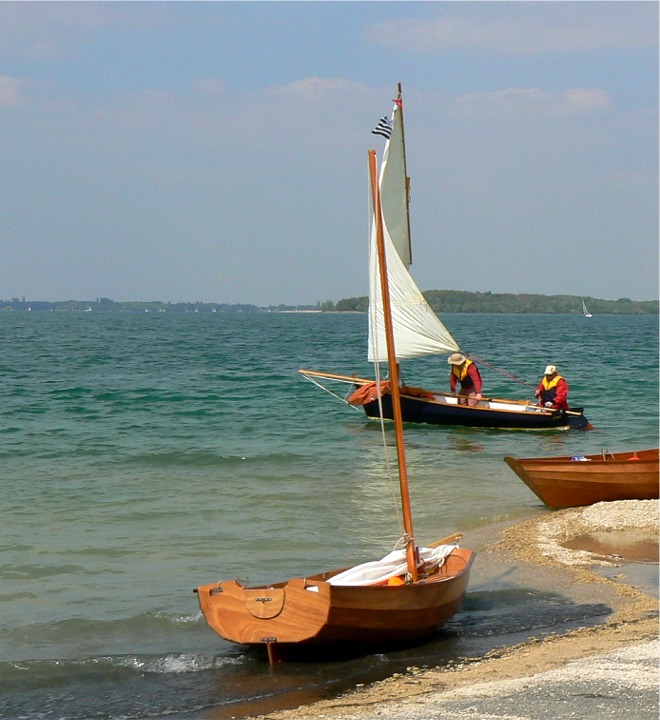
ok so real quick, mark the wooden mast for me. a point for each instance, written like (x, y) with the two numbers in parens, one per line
(393, 372)
(406, 179)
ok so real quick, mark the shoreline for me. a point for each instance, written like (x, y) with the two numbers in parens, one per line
(622, 651)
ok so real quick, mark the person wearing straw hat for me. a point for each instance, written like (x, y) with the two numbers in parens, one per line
(465, 373)
(552, 391)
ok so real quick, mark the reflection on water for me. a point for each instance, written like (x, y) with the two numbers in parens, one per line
(625, 545)
(465, 444)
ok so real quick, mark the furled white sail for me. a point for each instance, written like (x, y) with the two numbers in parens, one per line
(417, 329)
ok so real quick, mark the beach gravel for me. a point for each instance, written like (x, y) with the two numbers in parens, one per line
(590, 673)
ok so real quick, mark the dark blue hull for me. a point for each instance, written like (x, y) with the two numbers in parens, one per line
(422, 410)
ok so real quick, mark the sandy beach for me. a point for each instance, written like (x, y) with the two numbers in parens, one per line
(589, 673)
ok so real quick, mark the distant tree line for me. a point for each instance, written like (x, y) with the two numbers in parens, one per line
(442, 301)
(459, 301)
(106, 305)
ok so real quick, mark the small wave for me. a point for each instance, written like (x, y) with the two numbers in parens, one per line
(29, 675)
(8, 429)
(186, 459)
(144, 634)
(174, 664)
(209, 459)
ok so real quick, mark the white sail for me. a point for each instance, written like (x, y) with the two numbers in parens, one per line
(417, 329)
(394, 190)
(585, 312)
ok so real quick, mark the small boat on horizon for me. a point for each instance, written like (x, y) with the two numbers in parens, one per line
(574, 481)
(585, 312)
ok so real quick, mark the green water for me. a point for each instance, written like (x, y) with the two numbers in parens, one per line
(145, 454)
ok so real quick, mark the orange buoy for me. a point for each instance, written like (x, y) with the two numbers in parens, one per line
(395, 581)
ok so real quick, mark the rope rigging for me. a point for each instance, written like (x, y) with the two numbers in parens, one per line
(479, 360)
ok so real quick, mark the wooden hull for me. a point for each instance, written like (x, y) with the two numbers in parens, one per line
(312, 611)
(440, 408)
(507, 414)
(563, 482)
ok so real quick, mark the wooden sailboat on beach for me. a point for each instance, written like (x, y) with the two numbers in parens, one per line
(419, 331)
(399, 599)
(573, 481)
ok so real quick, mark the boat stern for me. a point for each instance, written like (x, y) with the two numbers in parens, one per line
(291, 612)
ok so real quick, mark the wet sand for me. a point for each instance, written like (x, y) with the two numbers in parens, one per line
(588, 673)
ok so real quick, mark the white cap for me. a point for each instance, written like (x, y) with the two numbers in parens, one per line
(550, 370)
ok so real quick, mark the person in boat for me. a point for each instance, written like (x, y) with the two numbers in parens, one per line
(552, 391)
(466, 374)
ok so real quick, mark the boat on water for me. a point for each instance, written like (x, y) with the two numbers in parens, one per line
(585, 312)
(401, 598)
(573, 481)
(419, 331)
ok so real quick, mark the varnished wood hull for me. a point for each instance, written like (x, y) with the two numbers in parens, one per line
(563, 482)
(312, 611)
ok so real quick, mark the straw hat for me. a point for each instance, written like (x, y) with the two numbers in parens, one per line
(550, 370)
(456, 359)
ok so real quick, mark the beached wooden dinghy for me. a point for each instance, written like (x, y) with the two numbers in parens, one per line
(320, 609)
(586, 479)
(399, 599)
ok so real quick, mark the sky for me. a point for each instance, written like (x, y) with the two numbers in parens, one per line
(217, 151)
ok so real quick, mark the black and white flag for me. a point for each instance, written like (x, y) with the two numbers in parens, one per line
(383, 128)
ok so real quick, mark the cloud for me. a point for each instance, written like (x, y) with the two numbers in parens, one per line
(209, 87)
(567, 32)
(525, 103)
(49, 30)
(314, 85)
(25, 33)
(10, 94)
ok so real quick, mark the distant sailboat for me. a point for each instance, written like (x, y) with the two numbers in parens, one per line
(585, 312)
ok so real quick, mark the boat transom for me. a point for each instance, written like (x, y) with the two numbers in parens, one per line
(264, 604)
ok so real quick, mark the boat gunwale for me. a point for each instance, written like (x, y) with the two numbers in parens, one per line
(527, 406)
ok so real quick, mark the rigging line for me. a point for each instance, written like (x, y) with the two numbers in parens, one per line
(330, 392)
(392, 483)
(501, 372)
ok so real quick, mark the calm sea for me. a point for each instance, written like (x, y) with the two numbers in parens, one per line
(144, 454)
